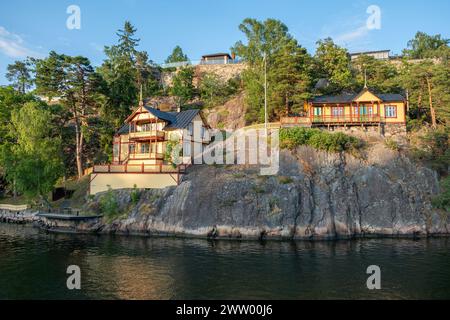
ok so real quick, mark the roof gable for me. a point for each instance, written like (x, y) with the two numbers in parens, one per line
(366, 95)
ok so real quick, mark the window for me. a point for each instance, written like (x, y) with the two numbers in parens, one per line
(203, 132)
(337, 111)
(145, 148)
(317, 111)
(187, 149)
(390, 111)
(191, 129)
(116, 150)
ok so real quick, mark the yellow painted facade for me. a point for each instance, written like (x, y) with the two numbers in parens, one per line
(364, 108)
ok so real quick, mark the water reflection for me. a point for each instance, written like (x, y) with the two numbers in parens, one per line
(33, 265)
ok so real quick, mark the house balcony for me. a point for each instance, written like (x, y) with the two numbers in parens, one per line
(138, 168)
(146, 156)
(147, 135)
(331, 120)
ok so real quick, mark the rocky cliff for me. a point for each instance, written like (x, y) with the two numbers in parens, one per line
(317, 195)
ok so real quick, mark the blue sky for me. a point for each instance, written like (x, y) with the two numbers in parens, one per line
(34, 28)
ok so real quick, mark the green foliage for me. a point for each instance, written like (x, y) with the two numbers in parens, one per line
(173, 152)
(135, 195)
(182, 86)
(434, 149)
(10, 100)
(214, 91)
(442, 201)
(32, 160)
(392, 144)
(285, 180)
(333, 63)
(177, 55)
(109, 205)
(19, 74)
(259, 190)
(287, 64)
(290, 138)
(427, 80)
(427, 46)
(82, 94)
(381, 75)
(125, 70)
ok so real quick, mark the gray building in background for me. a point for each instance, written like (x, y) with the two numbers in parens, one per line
(379, 55)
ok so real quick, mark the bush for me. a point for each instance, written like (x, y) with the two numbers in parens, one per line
(433, 149)
(285, 180)
(108, 204)
(392, 144)
(135, 195)
(214, 91)
(442, 201)
(290, 138)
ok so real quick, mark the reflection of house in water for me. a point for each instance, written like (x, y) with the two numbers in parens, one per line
(129, 277)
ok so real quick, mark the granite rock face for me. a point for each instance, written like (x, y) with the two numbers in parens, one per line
(317, 195)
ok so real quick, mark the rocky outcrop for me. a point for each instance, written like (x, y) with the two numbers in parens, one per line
(229, 116)
(317, 195)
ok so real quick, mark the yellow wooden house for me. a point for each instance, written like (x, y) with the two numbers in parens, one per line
(141, 145)
(363, 109)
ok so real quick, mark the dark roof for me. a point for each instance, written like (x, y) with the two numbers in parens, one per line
(183, 119)
(216, 55)
(342, 98)
(349, 97)
(176, 120)
(124, 129)
(391, 97)
(161, 114)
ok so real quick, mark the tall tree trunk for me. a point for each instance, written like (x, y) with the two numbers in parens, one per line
(432, 111)
(78, 150)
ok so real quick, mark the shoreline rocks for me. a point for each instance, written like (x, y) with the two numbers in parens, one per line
(315, 196)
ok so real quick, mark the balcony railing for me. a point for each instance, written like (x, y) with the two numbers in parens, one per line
(331, 119)
(153, 134)
(146, 156)
(346, 119)
(139, 168)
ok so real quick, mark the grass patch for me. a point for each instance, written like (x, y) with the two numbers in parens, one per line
(258, 189)
(285, 180)
(291, 138)
(109, 206)
(17, 201)
(442, 201)
(392, 144)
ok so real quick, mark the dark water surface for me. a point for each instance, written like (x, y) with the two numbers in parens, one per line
(33, 266)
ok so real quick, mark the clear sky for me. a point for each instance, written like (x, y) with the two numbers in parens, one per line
(34, 28)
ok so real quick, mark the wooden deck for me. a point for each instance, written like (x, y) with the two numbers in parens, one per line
(331, 121)
(139, 168)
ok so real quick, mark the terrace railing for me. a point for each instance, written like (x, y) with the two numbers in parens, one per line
(139, 168)
(153, 134)
(145, 156)
(330, 119)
